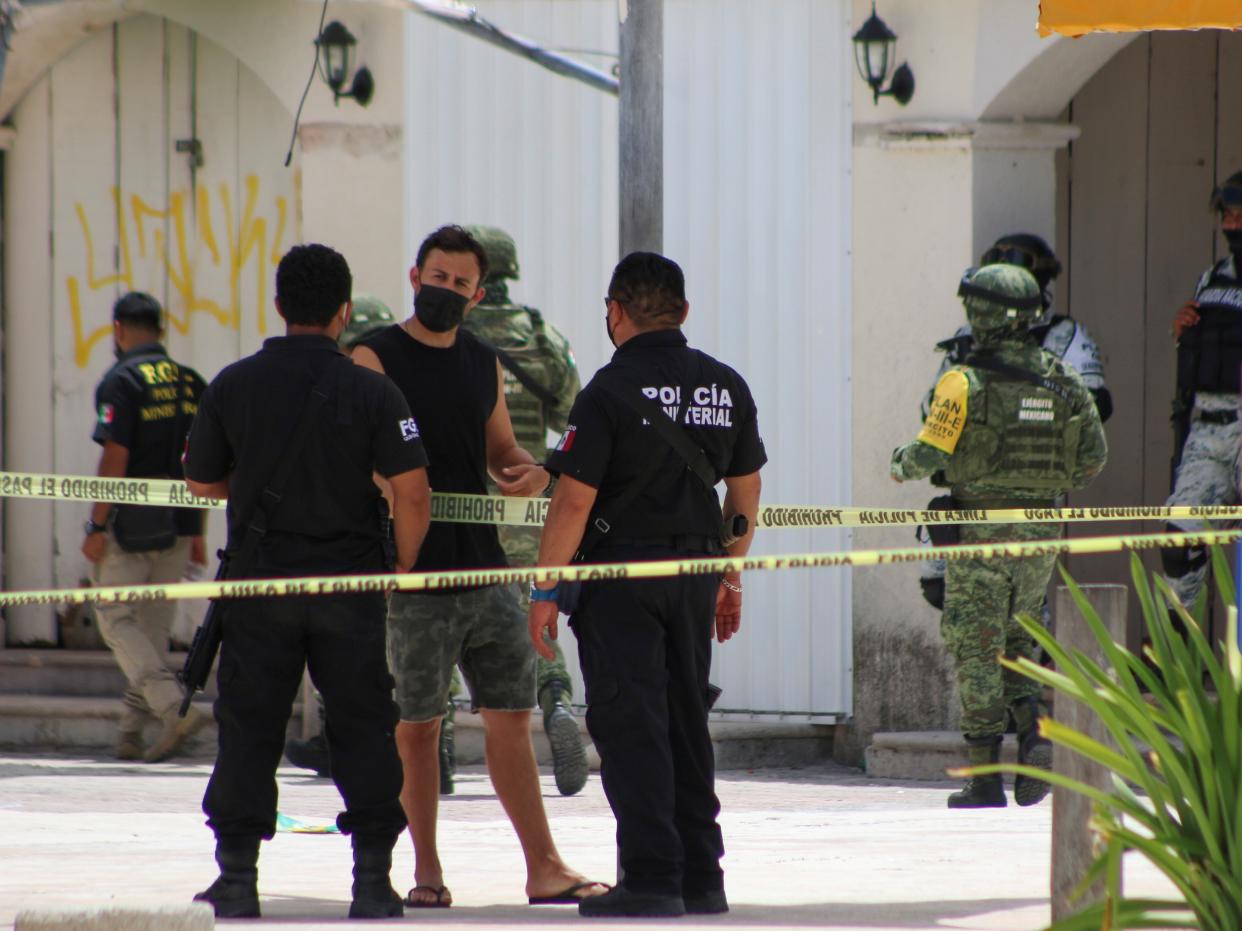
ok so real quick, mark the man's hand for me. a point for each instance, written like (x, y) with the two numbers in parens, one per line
(525, 480)
(198, 550)
(728, 611)
(93, 546)
(542, 617)
(1186, 317)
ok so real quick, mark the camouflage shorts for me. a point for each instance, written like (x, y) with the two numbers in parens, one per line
(483, 631)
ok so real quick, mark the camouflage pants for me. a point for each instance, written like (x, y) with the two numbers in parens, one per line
(982, 598)
(1208, 474)
(481, 630)
(547, 670)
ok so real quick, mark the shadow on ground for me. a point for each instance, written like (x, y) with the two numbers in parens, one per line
(887, 915)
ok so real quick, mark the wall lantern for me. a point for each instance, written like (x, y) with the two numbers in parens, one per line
(874, 45)
(336, 52)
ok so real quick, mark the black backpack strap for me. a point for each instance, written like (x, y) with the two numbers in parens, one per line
(273, 490)
(957, 348)
(529, 382)
(990, 363)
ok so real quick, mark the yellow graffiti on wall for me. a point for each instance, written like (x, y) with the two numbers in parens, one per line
(190, 239)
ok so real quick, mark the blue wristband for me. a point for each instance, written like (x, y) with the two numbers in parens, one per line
(543, 594)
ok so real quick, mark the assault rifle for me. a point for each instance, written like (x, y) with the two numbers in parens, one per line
(204, 646)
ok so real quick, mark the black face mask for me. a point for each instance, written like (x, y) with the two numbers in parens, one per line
(1234, 238)
(608, 327)
(439, 309)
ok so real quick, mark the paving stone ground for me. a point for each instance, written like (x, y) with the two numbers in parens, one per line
(819, 847)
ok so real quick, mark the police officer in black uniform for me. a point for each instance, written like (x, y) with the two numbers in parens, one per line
(627, 493)
(143, 408)
(322, 517)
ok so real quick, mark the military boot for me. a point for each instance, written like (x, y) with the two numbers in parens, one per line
(981, 791)
(374, 896)
(235, 893)
(448, 758)
(312, 753)
(569, 759)
(1033, 750)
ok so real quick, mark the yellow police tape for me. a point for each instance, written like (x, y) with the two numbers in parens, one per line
(428, 581)
(531, 512)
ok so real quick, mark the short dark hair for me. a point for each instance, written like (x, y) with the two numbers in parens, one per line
(312, 282)
(453, 238)
(139, 309)
(650, 287)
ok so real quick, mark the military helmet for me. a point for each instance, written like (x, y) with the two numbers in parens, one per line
(501, 251)
(1000, 297)
(369, 314)
(1229, 194)
(1028, 251)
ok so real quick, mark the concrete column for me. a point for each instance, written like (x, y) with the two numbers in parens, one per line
(642, 126)
(348, 169)
(1014, 180)
(1073, 847)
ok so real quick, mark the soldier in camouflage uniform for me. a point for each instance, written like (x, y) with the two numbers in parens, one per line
(541, 382)
(1061, 335)
(1208, 330)
(1012, 427)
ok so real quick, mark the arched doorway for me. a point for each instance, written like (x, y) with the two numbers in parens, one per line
(1158, 130)
(146, 158)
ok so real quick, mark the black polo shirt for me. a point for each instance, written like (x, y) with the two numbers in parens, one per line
(145, 403)
(328, 517)
(608, 446)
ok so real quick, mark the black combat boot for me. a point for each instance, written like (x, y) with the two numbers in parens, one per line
(235, 893)
(312, 753)
(448, 758)
(981, 791)
(569, 759)
(374, 896)
(1033, 750)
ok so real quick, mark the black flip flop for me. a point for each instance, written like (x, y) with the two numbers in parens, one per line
(566, 896)
(438, 891)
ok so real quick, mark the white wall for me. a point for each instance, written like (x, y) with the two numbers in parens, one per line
(756, 211)
(757, 206)
(494, 139)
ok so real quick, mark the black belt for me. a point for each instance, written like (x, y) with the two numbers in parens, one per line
(685, 542)
(1218, 417)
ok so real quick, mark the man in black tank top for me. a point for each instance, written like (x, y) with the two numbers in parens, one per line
(455, 390)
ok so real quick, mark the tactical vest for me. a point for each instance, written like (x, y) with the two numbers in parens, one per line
(534, 352)
(520, 332)
(1018, 435)
(1209, 355)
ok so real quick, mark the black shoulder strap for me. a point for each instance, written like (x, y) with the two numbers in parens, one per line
(545, 396)
(990, 363)
(693, 454)
(269, 498)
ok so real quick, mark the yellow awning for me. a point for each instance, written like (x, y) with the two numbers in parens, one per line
(1077, 17)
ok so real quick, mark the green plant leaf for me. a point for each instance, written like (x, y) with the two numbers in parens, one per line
(1175, 757)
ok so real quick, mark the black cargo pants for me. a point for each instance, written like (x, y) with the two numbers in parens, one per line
(266, 643)
(645, 651)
